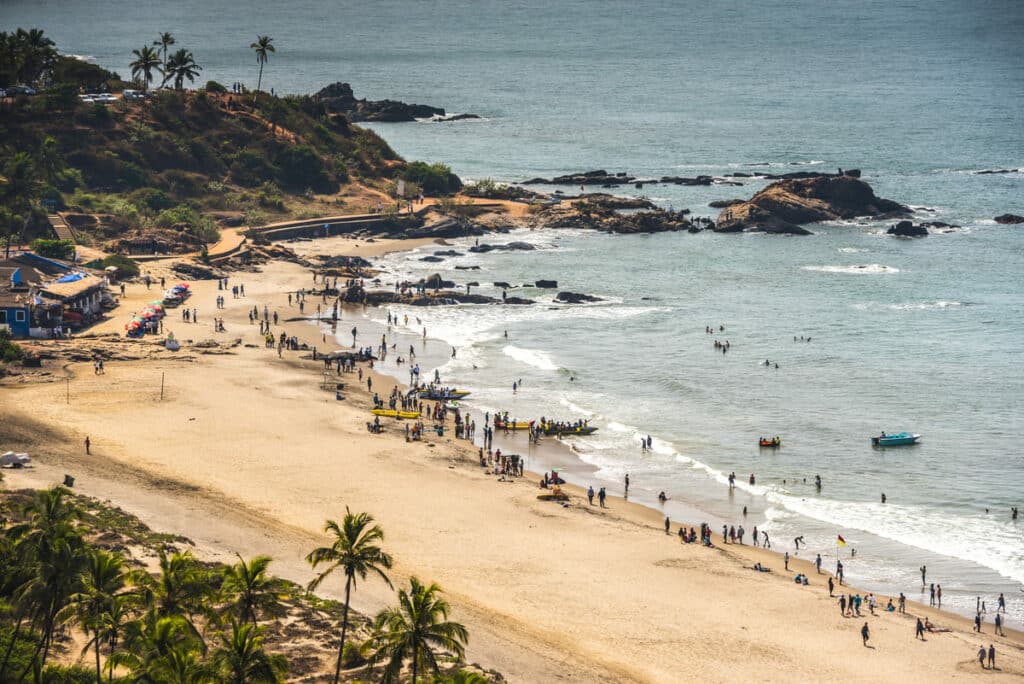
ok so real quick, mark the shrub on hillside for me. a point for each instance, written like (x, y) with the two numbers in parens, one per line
(215, 87)
(126, 267)
(200, 226)
(434, 179)
(300, 167)
(54, 249)
(249, 169)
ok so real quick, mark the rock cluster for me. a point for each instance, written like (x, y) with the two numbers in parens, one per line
(338, 97)
(784, 206)
(1009, 219)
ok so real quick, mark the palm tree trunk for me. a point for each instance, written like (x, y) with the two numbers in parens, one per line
(344, 629)
(10, 646)
(259, 82)
(99, 674)
(415, 660)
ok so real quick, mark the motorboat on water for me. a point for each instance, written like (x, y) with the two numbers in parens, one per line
(895, 439)
(769, 443)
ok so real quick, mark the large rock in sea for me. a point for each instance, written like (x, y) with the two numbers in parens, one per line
(1009, 219)
(546, 284)
(575, 298)
(338, 97)
(907, 229)
(783, 206)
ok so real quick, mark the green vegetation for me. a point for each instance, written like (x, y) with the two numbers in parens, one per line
(126, 268)
(263, 46)
(63, 564)
(54, 249)
(434, 179)
(208, 149)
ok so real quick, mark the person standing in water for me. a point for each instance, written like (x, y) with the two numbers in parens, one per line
(627, 483)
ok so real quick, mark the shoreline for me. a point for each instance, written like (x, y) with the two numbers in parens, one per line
(445, 521)
(693, 508)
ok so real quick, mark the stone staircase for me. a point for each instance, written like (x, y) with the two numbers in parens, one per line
(61, 228)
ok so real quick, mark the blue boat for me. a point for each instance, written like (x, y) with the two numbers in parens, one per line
(895, 439)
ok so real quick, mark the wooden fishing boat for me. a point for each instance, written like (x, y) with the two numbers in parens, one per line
(895, 439)
(769, 443)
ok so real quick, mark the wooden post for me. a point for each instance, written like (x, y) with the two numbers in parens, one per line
(161, 386)
(68, 385)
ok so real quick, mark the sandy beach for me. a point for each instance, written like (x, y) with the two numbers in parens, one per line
(246, 453)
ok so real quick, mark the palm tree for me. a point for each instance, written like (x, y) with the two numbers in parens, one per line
(355, 550)
(34, 52)
(263, 46)
(154, 645)
(250, 589)
(164, 41)
(241, 659)
(179, 66)
(112, 623)
(101, 580)
(146, 60)
(414, 629)
(181, 589)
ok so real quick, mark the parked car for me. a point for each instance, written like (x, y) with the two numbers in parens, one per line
(19, 90)
(133, 95)
(105, 98)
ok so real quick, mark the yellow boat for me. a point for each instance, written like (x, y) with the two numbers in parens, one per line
(391, 413)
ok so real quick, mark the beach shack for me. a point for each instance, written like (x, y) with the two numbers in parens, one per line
(41, 296)
(15, 303)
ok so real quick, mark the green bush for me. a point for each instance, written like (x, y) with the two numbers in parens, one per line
(69, 674)
(250, 169)
(434, 179)
(152, 198)
(215, 87)
(200, 226)
(9, 351)
(54, 249)
(300, 167)
(126, 267)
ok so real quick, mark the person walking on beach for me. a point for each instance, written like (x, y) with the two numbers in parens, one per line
(627, 484)
(87, 445)
(668, 523)
(725, 534)
(977, 623)
(981, 657)
(1001, 608)
(865, 634)
(903, 603)
(842, 605)
(999, 625)
(817, 563)
(590, 495)
(739, 533)
(755, 535)
(785, 564)
(766, 543)
(601, 496)
(919, 630)
(991, 657)
(839, 572)
(931, 595)
(831, 586)
(938, 596)
(924, 571)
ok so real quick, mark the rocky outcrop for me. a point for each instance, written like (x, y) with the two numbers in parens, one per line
(456, 117)
(907, 229)
(575, 298)
(784, 206)
(723, 204)
(338, 97)
(546, 284)
(509, 247)
(658, 221)
(432, 259)
(1009, 219)
(444, 227)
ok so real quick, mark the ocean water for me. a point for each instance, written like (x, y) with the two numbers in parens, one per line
(921, 335)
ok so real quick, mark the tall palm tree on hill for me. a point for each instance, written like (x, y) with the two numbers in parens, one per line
(356, 552)
(263, 46)
(240, 659)
(249, 590)
(414, 629)
(181, 65)
(165, 41)
(146, 60)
